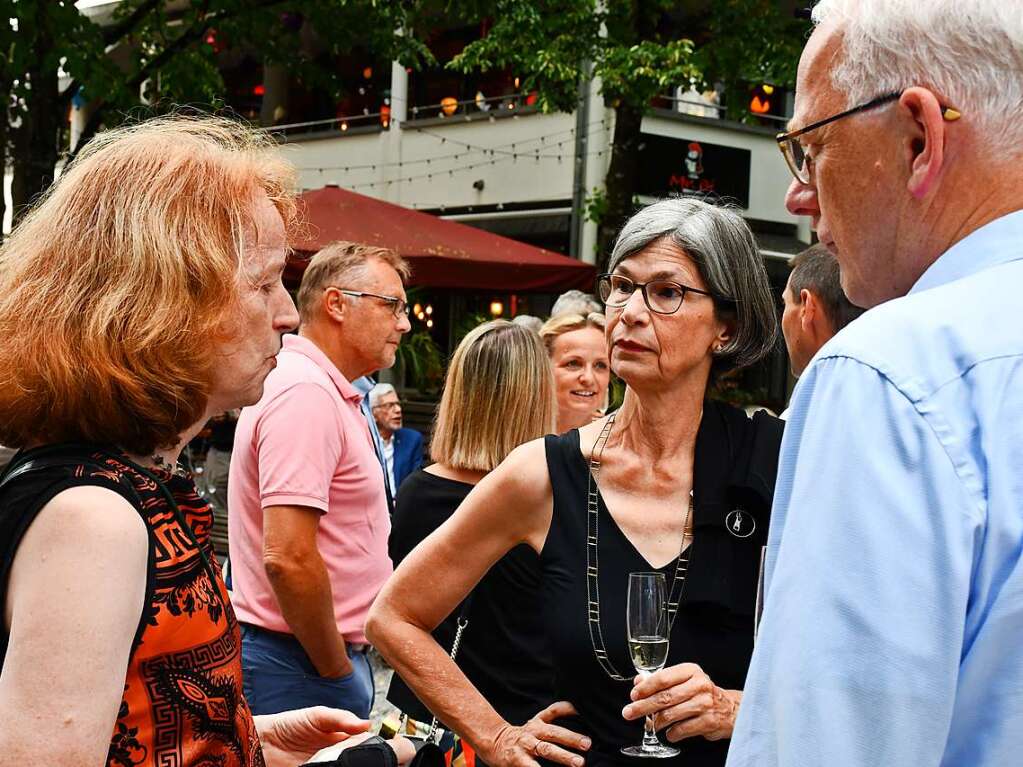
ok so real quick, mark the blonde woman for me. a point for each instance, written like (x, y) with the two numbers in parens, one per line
(582, 370)
(139, 298)
(498, 395)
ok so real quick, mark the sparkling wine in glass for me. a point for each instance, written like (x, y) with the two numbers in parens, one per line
(759, 607)
(647, 624)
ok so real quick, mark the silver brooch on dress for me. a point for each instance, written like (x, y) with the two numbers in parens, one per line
(740, 523)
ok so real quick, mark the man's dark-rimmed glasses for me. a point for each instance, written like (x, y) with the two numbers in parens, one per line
(660, 296)
(795, 156)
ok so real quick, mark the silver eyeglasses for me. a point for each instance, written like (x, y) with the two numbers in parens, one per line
(398, 306)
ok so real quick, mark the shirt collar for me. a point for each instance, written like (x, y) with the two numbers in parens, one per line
(305, 347)
(997, 242)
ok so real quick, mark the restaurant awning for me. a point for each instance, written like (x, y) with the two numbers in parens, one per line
(443, 254)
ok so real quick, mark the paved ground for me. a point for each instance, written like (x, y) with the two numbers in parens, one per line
(381, 678)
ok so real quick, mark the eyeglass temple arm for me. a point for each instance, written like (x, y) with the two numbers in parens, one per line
(950, 114)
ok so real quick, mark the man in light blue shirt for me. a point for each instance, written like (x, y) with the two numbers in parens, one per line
(893, 623)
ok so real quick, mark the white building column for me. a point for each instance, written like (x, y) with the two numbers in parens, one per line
(391, 150)
(599, 132)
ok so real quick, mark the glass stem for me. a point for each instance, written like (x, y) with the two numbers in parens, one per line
(649, 734)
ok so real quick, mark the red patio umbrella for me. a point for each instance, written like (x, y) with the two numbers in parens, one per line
(443, 254)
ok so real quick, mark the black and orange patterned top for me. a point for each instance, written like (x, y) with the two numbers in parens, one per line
(183, 704)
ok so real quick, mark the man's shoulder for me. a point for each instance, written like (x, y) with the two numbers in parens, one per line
(295, 368)
(294, 376)
(408, 436)
(922, 341)
(291, 391)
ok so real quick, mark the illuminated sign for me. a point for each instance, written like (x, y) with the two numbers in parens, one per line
(672, 166)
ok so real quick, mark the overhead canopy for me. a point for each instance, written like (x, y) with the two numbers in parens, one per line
(443, 254)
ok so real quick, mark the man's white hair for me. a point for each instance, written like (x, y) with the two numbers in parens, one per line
(575, 302)
(378, 392)
(970, 52)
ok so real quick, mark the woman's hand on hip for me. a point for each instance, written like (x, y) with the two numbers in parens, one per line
(684, 702)
(538, 738)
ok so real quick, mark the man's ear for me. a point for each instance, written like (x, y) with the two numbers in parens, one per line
(925, 133)
(809, 308)
(334, 304)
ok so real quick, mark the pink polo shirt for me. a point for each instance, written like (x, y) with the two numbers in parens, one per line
(307, 443)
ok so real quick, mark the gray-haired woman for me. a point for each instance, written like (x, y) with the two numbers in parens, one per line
(685, 487)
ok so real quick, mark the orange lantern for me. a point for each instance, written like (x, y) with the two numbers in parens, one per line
(449, 105)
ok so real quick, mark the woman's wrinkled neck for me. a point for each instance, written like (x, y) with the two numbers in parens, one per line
(660, 422)
(166, 458)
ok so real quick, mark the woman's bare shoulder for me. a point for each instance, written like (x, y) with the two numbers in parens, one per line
(524, 469)
(589, 434)
(76, 528)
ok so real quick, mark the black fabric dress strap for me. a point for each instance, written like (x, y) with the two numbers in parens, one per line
(57, 456)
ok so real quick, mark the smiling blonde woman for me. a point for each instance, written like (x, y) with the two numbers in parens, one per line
(582, 371)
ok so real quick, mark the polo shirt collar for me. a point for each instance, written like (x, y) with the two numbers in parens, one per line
(299, 345)
(997, 242)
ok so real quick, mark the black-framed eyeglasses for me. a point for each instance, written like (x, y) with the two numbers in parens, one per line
(660, 296)
(797, 159)
(398, 305)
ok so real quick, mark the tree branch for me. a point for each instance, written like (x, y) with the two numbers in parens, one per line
(130, 23)
(112, 35)
(191, 35)
(186, 38)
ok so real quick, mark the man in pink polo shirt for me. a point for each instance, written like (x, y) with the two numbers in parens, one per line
(308, 518)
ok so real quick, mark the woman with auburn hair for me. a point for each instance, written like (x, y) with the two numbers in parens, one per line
(582, 372)
(673, 483)
(139, 297)
(498, 395)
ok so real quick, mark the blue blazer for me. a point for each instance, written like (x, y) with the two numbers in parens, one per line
(408, 454)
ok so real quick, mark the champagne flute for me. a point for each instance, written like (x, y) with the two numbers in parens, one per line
(648, 630)
(759, 607)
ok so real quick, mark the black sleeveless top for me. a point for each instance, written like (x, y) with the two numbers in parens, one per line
(504, 648)
(735, 467)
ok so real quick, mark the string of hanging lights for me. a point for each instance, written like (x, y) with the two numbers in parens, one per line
(519, 147)
(440, 172)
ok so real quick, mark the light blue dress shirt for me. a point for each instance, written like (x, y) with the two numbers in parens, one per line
(893, 625)
(365, 384)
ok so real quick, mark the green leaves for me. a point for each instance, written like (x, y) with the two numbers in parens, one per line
(639, 48)
(640, 72)
(749, 41)
(545, 43)
(420, 357)
(548, 43)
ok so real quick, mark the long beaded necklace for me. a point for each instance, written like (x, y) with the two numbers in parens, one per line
(592, 567)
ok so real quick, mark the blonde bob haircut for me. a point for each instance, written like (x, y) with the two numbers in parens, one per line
(560, 324)
(499, 393)
(119, 287)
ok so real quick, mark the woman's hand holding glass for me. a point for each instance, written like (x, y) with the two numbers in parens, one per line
(538, 738)
(684, 702)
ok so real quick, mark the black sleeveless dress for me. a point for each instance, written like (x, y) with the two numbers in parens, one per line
(735, 467)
